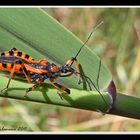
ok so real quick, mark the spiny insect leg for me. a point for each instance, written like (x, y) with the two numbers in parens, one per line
(70, 62)
(33, 88)
(26, 73)
(78, 70)
(11, 75)
(62, 89)
(13, 71)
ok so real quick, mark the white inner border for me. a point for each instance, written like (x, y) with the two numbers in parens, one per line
(65, 6)
(65, 132)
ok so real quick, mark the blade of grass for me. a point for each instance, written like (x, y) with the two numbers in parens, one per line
(90, 100)
(47, 94)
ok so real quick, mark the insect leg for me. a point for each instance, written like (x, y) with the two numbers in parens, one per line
(33, 88)
(26, 73)
(70, 62)
(78, 70)
(61, 88)
(11, 75)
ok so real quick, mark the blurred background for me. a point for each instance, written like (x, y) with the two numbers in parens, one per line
(117, 42)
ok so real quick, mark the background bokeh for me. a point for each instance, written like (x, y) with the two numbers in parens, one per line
(117, 42)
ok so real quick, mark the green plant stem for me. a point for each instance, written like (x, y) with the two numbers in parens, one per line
(127, 106)
(124, 105)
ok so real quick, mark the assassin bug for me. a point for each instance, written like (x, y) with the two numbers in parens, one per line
(15, 61)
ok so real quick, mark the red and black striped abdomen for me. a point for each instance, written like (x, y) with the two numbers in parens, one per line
(10, 58)
(7, 60)
(18, 54)
(8, 67)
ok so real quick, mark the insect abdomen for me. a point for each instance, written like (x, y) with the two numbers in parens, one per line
(17, 54)
(8, 67)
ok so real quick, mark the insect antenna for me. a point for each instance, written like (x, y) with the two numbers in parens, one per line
(94, 29)
(88, 78)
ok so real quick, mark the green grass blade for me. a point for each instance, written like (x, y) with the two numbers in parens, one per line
(89, 100)
(125, 105)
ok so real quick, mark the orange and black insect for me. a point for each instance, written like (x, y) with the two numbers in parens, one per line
(14, 61)
(37, 71)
